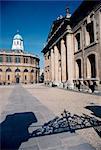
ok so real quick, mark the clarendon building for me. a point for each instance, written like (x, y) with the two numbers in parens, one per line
(18, 66)
(72, 53)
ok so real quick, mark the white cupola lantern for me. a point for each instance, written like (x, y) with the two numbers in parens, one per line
(18, 42)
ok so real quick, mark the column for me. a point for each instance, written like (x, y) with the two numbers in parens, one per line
(4, 68)
(37, 75)
(63, 60)
(45, 73)
(56, 63)
(59, 63)
(52, 65)
(49, 66)
(70, 59)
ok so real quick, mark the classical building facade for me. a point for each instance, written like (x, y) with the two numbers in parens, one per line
(72, 53)
(18, 66)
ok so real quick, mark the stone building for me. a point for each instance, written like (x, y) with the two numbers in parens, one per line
(72, 53)
(18, 66)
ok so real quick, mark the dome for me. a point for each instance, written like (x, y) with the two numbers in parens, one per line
(18, 37)
(17, 42)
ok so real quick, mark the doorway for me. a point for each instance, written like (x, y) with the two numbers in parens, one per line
(17, 79)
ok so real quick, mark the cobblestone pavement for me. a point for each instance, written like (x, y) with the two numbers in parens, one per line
(27, 107)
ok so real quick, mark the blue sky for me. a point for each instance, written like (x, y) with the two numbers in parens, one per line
(33, 19)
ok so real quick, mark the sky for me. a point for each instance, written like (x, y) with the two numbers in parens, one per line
(33, 19)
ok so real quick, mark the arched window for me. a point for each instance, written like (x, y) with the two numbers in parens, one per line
(8, 70)
(8, 77)
(25, 70)
(78, 68)
(0, 70)
(32, 71)
(89, 32)
(91, 66)
(24, 60)
(17, 70)
(25, 77)
(77, 42)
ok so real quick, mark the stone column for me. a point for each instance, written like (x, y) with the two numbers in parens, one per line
(59, 75)
(45, 73)
(63, 60)
(70, 59)
(52, 65)
(59, 63)
(49, 66)
(37, 75)
(4, 62)
(56, 64)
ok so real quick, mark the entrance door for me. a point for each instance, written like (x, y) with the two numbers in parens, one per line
(17, 80)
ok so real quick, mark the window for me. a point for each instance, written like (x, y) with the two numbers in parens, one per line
(91, 66)
(17, 59)
(25, 60)
(32, 71)
(8, 59)
(17, 70)
(77, 41)
(8, 77)
(8, 70)
(25, 77)
(89, 33)
(1, 59)
(25, 70)
(78, 68)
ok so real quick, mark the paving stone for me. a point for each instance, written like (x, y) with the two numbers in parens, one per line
(66, 134)
(35, 147)
(31, 143)
(72, 141)
(84, 146)
(47, 142)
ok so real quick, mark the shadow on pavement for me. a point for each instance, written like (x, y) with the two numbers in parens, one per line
(95, 109)
(14, 130)
(67, 123)
(96, 112)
